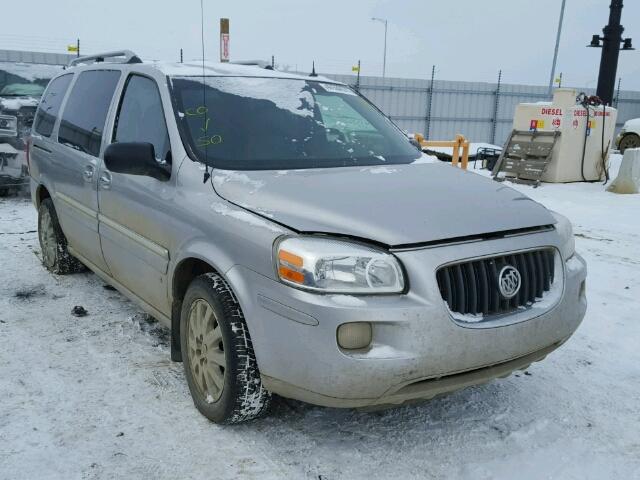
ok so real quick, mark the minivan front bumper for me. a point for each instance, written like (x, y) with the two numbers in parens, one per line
(418, 349)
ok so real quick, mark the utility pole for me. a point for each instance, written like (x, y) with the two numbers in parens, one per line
(496, 106)
(611, 41)
(384, 57)
(555, 52)
(427, 122)
(180, 55)
(78, 48)
(618, 93)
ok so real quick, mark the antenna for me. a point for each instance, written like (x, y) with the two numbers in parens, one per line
(207, 175)
(313, 70)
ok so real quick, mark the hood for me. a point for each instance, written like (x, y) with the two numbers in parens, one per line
(632, 125)
(16, 103)
(394, 205)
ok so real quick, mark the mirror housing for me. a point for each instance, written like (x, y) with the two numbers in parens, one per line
(135, 158)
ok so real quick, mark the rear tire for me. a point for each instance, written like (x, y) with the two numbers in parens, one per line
(53, 244)
(630, 140)
(217, 354)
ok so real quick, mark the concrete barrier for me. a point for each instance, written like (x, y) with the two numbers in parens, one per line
(628, 179)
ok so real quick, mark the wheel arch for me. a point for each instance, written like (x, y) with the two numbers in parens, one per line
(41, 193)
(194, 262)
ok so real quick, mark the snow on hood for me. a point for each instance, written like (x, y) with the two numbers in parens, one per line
(18, 103)
(632, 125)
(31, 71)
(402, 205)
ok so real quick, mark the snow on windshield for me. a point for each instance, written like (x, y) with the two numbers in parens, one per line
(301, 103)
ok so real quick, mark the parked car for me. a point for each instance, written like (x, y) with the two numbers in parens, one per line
(21, 86)
(629, 136)
(292, 238)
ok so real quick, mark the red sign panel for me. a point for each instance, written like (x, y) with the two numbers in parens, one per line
(224, 47)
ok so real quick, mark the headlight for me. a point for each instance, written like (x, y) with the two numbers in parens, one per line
(565, 231)
(337, 266)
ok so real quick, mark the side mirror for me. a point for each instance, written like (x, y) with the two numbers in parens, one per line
(135, 158)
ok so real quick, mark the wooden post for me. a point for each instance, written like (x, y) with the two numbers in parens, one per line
(456, 144)
(465, 153)
(456, 151)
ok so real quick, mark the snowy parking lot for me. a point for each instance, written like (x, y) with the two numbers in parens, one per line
(96, 397)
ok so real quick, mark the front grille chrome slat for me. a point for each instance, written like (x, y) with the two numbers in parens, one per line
(461, 296)
(495, 293)
(483, 291)
(472, 287)
(524, 273)
(531, 265)
(515, 300)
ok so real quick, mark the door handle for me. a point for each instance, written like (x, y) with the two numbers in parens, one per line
(105, 180)
(87, 174)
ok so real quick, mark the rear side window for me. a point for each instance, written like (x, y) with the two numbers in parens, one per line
(141, 117)
(50, 105)
(86, 110)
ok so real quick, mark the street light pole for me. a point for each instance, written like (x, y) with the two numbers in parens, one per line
(384, 58)
(555, 52)
(611, 41)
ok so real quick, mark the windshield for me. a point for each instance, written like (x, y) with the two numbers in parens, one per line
(25, 79)
(241, 123)
(22, 90)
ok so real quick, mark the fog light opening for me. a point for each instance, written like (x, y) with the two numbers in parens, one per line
(355, 335)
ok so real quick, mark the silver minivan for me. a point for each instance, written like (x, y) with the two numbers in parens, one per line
(292, 238)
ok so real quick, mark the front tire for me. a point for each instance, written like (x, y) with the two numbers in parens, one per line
(217, 354)
(53, 244)
(630, 140)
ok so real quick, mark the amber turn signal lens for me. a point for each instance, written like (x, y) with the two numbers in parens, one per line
(291, 275)
(290, 258)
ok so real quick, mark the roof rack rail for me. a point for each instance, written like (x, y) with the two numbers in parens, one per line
(119, 56)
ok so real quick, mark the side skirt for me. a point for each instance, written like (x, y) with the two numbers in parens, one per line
(166, 321)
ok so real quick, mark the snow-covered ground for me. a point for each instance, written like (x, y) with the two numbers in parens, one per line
(97, 397)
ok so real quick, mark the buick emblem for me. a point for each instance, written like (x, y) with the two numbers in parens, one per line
(509, 281)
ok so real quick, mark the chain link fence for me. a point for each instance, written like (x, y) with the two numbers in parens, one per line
(482, 112)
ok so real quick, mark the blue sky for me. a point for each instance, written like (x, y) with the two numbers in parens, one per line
(465, 39)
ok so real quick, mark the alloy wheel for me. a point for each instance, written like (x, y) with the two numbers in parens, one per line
(205, 351)
(629, 141)
(48, 241)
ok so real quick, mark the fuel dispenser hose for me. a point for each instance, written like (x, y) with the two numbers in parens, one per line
(587, 102)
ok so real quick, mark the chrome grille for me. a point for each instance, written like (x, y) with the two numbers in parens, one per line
(472, 287)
